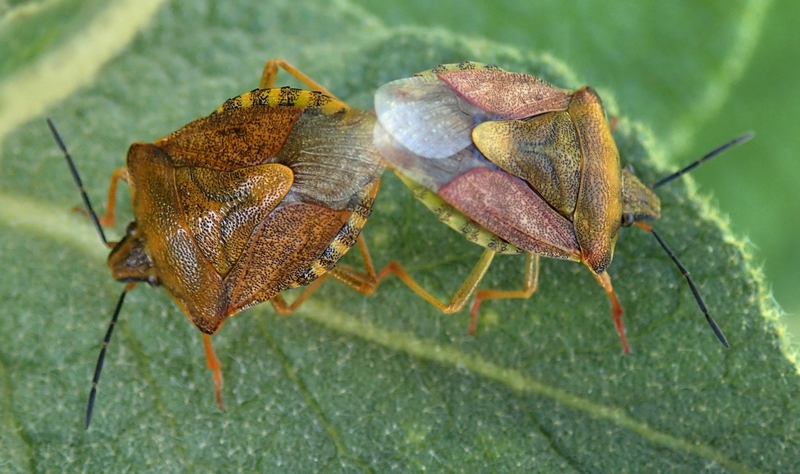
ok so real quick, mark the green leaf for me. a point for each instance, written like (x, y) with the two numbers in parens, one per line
(353, 383)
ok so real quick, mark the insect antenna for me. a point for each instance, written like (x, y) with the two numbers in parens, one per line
(692, 286)
(716, 151)
(100, 359)
(77, 178)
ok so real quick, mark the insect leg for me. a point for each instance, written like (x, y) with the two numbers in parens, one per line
(529, 288)
(110, 218)
(364, 283)
(616, 309)
(459, 298)
(214, 366)
(280, 305)
(270, 74)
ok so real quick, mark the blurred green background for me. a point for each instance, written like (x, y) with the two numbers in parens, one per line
(758, 186)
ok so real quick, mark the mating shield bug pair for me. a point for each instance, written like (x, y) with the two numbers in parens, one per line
(270, 190)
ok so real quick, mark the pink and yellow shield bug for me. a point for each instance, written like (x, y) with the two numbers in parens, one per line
(516, 165)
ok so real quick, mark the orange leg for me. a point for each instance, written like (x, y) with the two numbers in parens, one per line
(461, 296)
(362, 282)
(280, 305)
(110, 218)
(214, 366)
(367, 282)
(529, 288)
(616, 309)
(270, 74)
(368, 285)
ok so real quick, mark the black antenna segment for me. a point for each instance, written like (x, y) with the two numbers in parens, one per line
(716, 151)
(692, 286)
(101, 359)
(77, 178)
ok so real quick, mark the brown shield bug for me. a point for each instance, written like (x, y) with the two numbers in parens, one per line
(265, 194)
(517, 166)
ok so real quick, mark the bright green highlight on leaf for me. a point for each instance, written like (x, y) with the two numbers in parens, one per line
(65, 60)
(45, 222)
(357, 384)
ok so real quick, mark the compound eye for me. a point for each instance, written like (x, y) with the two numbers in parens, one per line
(627, 219)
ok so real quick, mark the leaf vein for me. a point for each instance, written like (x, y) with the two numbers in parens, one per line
(288, 367)
(12, 422)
